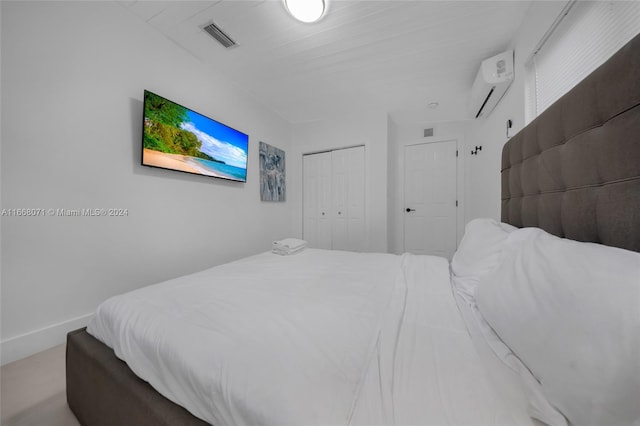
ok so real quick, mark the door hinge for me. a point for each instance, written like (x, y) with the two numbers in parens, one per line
(456, 152)
(456, 203)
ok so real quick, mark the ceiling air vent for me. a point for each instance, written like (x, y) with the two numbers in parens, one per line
(215, 32)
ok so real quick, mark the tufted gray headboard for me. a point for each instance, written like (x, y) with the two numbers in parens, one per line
(575, 170)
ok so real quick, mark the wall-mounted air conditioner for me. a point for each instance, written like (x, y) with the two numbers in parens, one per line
(493, 79)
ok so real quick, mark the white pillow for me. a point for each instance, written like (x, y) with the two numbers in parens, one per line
(538, 405)
(481, 247)
(571, 312)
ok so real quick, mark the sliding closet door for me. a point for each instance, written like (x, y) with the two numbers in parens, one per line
(317, 199)
(348, 199)
(333, 199)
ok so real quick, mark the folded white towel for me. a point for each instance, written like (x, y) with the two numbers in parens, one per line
(282, 252)
(288, 246)
(290, 243)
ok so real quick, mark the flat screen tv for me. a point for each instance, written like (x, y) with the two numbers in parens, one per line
(177, 138)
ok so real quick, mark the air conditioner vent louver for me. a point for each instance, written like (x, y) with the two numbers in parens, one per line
(485, 102)
(215, 32)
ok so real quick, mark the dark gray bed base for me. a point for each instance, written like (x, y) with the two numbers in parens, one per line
(574, 171)
(103, 391)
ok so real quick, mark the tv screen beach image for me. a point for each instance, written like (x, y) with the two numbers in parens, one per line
(178, 138)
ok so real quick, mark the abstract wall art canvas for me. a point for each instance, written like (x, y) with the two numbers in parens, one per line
(272, 173)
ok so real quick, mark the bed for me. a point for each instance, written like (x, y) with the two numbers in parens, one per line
(535, 320)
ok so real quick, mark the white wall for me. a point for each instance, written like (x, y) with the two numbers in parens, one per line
(358, 126)
(393, 183)
(73, 75)
(483, 191)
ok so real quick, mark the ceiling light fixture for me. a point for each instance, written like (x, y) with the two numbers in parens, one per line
(433, 105)
(306, 10)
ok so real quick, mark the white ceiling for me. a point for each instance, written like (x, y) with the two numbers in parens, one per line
(395, 55)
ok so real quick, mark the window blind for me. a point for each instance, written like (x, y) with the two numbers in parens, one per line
(590, 33)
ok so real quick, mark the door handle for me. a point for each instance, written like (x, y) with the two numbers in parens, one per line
(408, 210)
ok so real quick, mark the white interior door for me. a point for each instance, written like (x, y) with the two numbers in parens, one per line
(430, 197)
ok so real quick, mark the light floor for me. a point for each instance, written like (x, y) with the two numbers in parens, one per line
(32, 391)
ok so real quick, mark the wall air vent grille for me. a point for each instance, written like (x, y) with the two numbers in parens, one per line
(215, 32)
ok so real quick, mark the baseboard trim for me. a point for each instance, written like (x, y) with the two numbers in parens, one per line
(27, 344)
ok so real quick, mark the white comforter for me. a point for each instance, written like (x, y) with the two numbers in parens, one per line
(322, 337)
